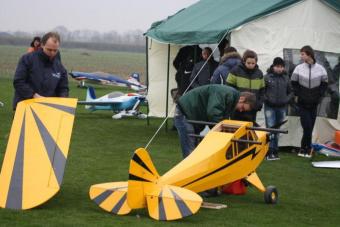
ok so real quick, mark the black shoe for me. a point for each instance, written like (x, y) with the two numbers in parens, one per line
(209, 193)
(272, 157)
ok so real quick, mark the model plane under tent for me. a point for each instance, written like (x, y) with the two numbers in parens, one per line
(122, 105)
(230, 151)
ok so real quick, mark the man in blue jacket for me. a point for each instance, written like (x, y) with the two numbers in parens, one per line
(41, 73)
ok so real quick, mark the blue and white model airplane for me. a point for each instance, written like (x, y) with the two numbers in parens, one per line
(329, 149)
(133, 82)
(121, 104)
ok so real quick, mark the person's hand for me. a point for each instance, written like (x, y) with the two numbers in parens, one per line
(36, 95)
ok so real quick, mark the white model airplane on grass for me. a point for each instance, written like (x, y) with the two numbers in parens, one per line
(123, 105)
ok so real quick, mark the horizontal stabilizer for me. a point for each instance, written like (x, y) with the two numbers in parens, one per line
(171, 203)
(111, 197)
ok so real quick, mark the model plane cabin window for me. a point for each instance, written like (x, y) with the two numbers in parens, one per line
(229, 153)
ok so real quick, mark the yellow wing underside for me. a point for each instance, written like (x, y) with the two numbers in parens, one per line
(37, 149)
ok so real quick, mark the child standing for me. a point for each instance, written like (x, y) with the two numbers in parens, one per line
(277, 95)
(247, 76)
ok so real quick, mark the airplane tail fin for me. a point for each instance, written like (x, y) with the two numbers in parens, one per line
(142, 172)
(135, 76)
(90, 96)
(164, 202)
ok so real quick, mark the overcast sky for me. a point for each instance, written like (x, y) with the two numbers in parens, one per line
(100, 15)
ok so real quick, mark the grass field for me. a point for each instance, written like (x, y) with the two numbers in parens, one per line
(101, 149)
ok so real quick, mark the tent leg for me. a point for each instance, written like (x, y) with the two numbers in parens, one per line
(167, 90)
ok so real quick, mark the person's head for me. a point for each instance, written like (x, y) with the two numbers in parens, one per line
(246, 102)
(249, 59)
(36, 42)
(229, 50)
(206, 52)
(50, 43)
(278, 65)
(307, 54)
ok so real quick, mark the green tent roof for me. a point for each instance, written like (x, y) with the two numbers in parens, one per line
(208, 21)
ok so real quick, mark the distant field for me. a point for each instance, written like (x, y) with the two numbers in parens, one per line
(101, 148)
(119, 63)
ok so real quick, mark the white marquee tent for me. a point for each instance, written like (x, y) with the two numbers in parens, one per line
(267, 27)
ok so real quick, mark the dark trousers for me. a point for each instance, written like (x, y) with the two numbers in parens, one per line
(307, 119)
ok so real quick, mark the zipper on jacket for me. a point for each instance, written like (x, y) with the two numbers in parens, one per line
(310, 74)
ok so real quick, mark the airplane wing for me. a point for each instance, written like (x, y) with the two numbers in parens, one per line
(98, 103)
(37, 149)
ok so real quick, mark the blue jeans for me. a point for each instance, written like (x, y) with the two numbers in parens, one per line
(188, 143)
(274, 116)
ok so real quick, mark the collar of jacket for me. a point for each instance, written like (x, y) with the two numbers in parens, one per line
(44, 57)
(226, 56)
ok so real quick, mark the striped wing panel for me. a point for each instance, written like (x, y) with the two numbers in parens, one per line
(173, 203)
(111, 197)
(37, 150)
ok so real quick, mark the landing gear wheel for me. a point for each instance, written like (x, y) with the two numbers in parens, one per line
(271, 195)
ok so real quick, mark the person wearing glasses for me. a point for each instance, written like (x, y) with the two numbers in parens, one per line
(41, 73)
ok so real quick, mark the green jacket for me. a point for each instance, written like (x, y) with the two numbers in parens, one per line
(212, 102)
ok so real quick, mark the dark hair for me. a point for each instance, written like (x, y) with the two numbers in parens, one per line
(249, 54)
(249, 98)
(207, 49)
(37, 38)
(278, 61)
(308, 50)
(229, 49)
(48, 35)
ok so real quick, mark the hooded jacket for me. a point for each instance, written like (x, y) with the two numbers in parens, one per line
(278, 90)
(36, 73)
(204, 70)
(252, 81)
(228, 61)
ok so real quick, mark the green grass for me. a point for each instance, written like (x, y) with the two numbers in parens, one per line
(101, 149)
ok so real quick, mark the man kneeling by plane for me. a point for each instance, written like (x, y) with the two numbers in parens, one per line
(212, 103)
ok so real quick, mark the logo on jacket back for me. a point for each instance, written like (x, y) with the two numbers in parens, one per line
(56, 75)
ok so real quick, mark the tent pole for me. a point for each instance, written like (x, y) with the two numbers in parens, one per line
(147, 77)
(167, 89)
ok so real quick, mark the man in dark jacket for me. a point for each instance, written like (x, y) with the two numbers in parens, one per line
(203, 70)
(228, 61)
(211, 103)
(184, 63)
(40, 73)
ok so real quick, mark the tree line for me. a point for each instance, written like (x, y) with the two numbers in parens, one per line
(131, 41)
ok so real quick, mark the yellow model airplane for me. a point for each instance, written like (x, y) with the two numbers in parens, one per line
(35, 159)
(231, 150)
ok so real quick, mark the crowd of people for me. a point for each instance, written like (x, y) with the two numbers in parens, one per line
(236, 76)
(234, 88)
